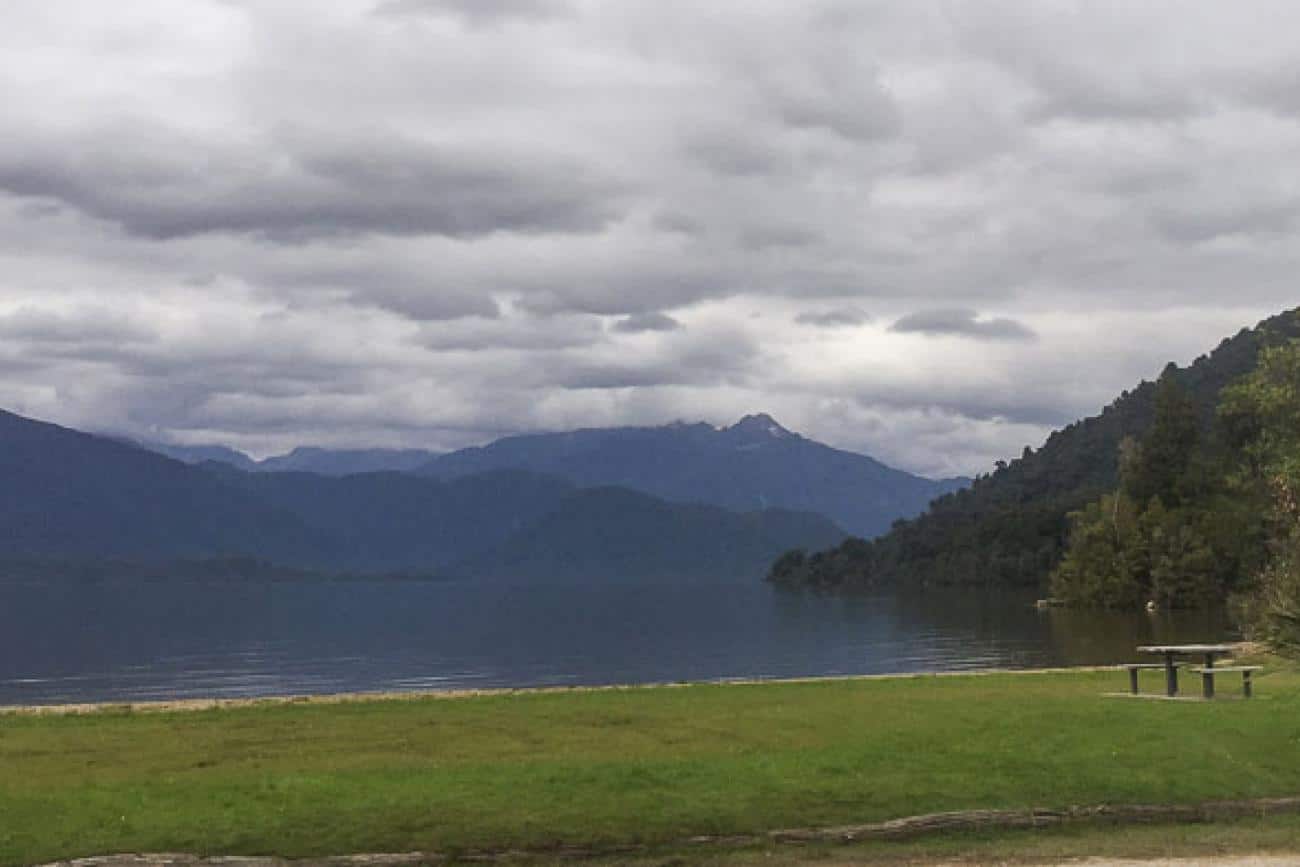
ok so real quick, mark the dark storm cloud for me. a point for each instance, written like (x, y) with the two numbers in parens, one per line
(642, 286)
(425, 300)
(1206, 221)
(839, 317)
(866, 115)
(1053, 50)
(1027, 406)
(678, 224)
(1074, 95)
(640, 322)
(776, 235)
(519, 333)
(738, 152)
(835, 90)
(244, 367)
(962, 323)
(1276, 87)
(413, 292)
(77, 328)
(162, 186)
(708, 360)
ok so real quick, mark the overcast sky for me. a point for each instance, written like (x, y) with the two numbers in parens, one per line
(930, 231)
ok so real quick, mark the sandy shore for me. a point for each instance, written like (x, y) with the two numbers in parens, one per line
(198, 704)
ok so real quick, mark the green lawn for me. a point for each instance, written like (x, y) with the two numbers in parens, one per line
(638, 765)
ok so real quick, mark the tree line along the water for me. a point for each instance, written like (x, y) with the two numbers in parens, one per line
(1198, 518)
(1182, 492)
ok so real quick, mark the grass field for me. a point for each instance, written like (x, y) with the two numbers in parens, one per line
(618, 766)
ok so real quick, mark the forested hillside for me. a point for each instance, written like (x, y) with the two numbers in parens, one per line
(1198, 518)
(618, 535)
(1011, 527)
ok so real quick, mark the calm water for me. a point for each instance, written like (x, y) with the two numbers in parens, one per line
(120, 641)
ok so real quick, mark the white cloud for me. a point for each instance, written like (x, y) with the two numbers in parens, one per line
(428, 222)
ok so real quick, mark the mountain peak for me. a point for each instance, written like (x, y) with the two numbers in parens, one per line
(760, 424)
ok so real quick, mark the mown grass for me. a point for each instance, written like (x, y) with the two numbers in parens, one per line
(639, 765)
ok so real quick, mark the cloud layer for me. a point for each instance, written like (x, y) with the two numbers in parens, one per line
(923, 230)
(962, 323)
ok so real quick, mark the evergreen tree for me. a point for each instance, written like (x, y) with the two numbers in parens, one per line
(1105, 564)
(1183, 567)
(1262, 414)
(1159, 467)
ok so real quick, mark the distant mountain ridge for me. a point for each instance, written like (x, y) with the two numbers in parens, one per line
(753, 464)
(197, 454)
(1010, 527)
(71, 498)
(306, 459)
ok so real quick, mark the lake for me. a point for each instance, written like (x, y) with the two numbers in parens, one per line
(121, 641)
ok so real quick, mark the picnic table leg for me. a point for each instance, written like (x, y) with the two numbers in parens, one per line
(1245, 683)
(1133, 680)
(1207, 676)
(1171, 676)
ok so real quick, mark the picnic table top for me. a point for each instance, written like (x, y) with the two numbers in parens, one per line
(1186, 648)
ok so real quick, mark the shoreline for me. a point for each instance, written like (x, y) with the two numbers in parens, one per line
(202, 704)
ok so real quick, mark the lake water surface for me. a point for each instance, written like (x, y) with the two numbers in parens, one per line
(134, 641)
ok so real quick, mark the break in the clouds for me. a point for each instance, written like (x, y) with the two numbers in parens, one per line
(924, 230)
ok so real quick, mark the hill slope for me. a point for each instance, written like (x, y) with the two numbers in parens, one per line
(72, 495)
(403, 523)
(72, 498)
(615, 534)
(754, 464)
(1010, 528)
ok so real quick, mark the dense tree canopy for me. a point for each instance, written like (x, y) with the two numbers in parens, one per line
(1261, 416)
(1177, 533)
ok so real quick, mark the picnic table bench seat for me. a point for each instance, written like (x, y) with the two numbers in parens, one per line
(1207, 674)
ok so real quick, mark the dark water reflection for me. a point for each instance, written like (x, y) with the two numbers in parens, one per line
(131, 641)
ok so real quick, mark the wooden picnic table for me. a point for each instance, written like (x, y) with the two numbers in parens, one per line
(1171, 651)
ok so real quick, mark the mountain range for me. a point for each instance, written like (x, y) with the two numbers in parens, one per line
(752, 465)
(76, 498)
(305, 459)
